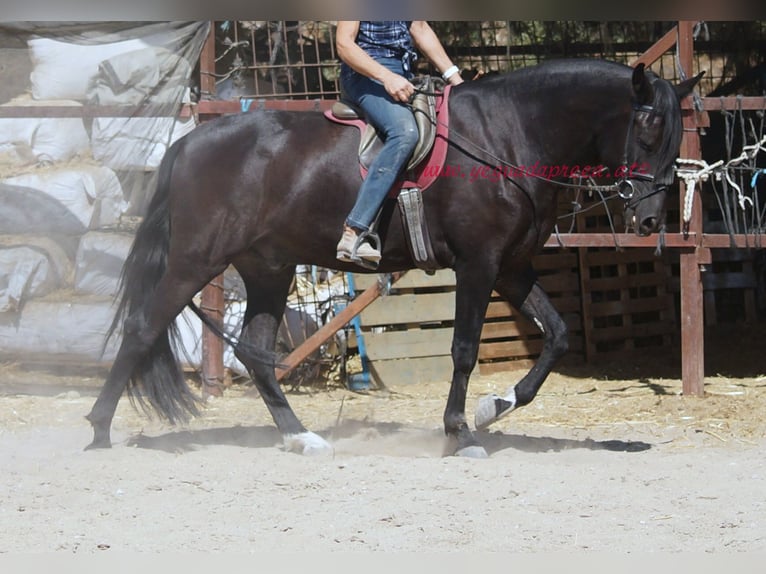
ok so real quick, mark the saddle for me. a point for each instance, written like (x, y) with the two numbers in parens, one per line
(424, 166)
(424, 110)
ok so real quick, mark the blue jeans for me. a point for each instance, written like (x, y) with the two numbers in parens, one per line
(396, 125)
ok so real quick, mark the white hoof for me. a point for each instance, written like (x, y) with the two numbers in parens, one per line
(492, 408)
(307, 443)
(472, 452)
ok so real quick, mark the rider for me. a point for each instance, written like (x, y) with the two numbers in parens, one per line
(377, 61)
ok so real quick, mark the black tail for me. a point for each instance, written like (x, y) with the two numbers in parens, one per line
(157, 381)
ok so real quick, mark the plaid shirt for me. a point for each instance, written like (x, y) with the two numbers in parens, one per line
(390, 39)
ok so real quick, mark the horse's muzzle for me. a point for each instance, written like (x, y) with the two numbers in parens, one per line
(647, 226)
(645, 213)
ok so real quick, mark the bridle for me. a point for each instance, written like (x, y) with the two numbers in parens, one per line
(625, 187)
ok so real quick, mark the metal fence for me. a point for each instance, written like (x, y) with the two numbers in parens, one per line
(297, 59)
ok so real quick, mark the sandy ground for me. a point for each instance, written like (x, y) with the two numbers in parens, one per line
(616, 462)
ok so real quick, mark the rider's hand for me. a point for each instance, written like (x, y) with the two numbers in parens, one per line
(398, 87)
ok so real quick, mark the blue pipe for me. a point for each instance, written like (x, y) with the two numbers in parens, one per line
(358, 381)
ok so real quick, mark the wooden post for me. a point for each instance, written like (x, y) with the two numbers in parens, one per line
(212, 294)
(207, 65)
(212, 347)
(692, 320)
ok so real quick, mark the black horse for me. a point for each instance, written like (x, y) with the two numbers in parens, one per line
(266, 190)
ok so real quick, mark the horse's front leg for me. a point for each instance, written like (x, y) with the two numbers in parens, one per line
(525, 294)
(473, 288)
(266, 298)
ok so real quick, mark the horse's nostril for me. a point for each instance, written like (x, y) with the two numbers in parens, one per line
(648, 225)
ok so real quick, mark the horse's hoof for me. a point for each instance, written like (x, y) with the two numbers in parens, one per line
(99, 444)
(491, 408)
(472, 452)
(307, 443)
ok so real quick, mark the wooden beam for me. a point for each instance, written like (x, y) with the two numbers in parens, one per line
(220, 107)
(617, 240)
(733, 103)
(207, 65)
(658, 48)
(672, 240)
(333, 326)
(723, 241)
(83, 111)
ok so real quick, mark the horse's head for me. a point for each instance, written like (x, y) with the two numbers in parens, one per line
(652, 145)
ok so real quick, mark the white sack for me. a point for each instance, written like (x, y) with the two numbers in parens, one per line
(190, 338)
(72, 331)
(153, 76)
(30, 211)
(135, 143)
(44, 139)
(63, 70)
(99, 261)
(25, 273)
(15, 155)
(93, 194)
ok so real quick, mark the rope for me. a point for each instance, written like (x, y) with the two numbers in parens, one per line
(691, 177)
(722, 171)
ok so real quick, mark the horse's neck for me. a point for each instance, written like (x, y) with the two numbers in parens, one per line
(581, 116)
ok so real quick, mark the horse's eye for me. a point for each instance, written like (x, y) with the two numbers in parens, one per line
(645, 145)
(649, 136)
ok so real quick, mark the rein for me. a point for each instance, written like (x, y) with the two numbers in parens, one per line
(623, 188)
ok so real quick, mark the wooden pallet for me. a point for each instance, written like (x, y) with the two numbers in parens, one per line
(626, 304)
(508, 337)
(730, 285)
(408, 333)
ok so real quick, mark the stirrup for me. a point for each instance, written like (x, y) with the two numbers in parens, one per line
(374, 240)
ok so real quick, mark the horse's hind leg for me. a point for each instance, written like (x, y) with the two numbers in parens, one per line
(266, 298)
(526, 295)
(141, 333)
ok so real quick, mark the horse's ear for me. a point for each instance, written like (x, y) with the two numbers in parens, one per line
(685, 88)
(642, 87)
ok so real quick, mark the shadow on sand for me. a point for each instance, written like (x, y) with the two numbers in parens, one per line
(379, 438)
